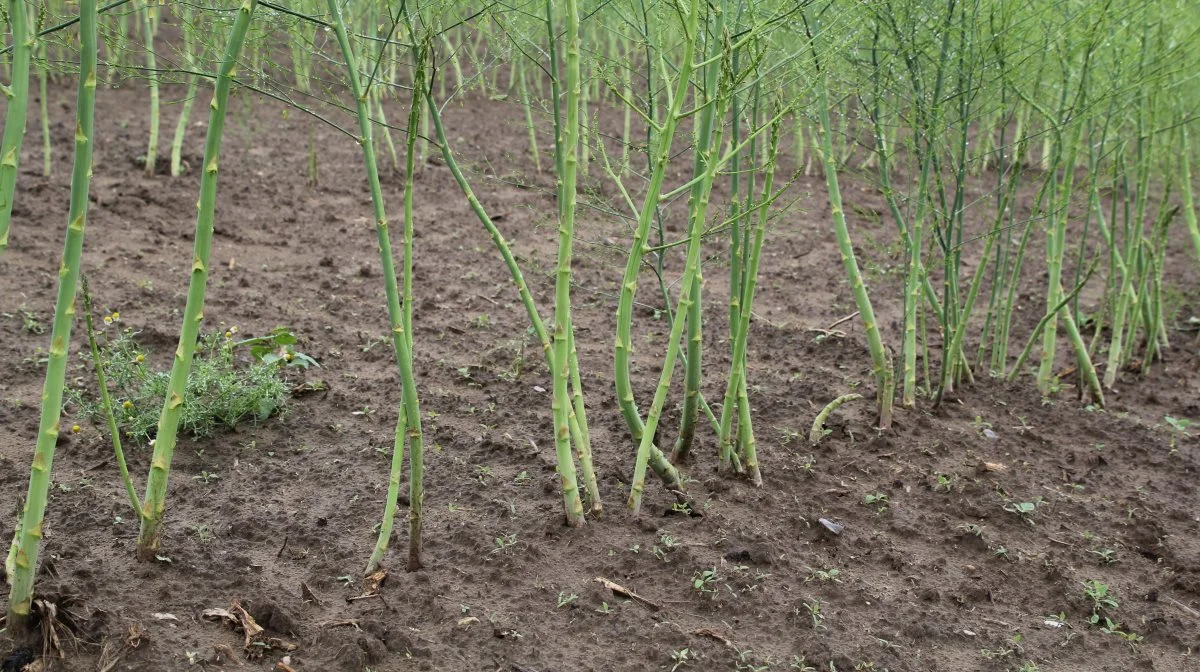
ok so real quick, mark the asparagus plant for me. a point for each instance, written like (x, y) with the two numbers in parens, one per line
(24, 42)
(409, 421)
(154, 503)
(23, 558)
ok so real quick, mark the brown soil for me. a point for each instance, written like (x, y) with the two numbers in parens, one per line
(297, 497)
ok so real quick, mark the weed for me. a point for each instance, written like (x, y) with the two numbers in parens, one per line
(704, 582)
(823, 575)
(1024, 509)
(205, 477)
(220, 391)
(815, 614)
(1107, 556)
(30, 321)
(505, 544)
(877, 500)
(1102, 599)
(1179, 427)
(972, 529)
(799, 664)
(604, 608)
(681, 657)
(564, 599)
(945, 482)
(996, 653)
(746, 661)
(808, 465)
(202, 532)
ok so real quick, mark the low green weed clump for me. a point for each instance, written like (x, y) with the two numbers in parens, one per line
(224, 388)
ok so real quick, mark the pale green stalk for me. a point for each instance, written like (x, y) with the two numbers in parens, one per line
(106, 401)
(659, 159)
(152, 77)
(393, 494)
(882, 366)
(17, 95)
(410, 422)
(1189, 203)
(47, 150)
(23, 558)
(154, 504)
(817, 431)
(737, 373)
(697, 207)
(185, 112)
(569, 136)
(528, 109)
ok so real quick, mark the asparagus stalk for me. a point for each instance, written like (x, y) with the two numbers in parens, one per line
(17, 95)
(23, 558)
(154, 503)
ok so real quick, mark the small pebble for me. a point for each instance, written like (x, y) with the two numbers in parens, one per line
(990, 434)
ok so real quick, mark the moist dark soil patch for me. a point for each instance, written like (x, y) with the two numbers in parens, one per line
(934, 574)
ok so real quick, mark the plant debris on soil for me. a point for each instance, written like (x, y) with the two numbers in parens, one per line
(965, 539)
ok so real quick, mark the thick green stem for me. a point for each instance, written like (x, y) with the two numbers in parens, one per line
(659, 160)
(401, 333)
(1189, 203)
(388, 522)
(664, 381)
(44, 109)
(185, 114)
(882, 366)
(152, 76)
(697, 207)
(569, 136)
(28, 537)
(735, 386)
(17, 93)
(154, 504)
(530, 128)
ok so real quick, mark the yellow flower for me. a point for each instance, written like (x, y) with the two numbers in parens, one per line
(108, 319)
(127, 405)
(228, 335)
(116, 316)
(233, 329)
(141, 358)
(287, 356)
(75, 429)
